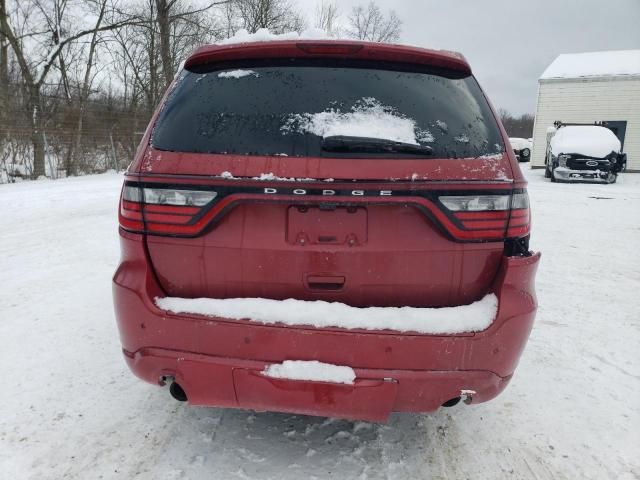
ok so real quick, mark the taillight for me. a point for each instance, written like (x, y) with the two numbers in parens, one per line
(487, 217)
(520, 219)
(130, 212)
(163, 210)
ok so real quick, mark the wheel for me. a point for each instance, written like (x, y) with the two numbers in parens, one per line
(524, 154)
(547, 172)
(553, 176)
(612, 177)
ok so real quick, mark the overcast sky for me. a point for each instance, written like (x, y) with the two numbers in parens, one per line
(509, 43)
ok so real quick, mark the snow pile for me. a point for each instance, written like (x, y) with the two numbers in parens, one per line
(587, 140)
(594, 64)
(237, 73)
(368, 118)
(447, 320)
(271, 177)
(313, 371)
(264, 35)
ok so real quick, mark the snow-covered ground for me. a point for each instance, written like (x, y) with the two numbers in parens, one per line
(71, 409)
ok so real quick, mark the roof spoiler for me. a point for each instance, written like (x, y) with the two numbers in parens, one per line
(356, 50)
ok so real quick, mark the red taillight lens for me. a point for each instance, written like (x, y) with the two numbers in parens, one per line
(488, 217)
(130, 212)
(162, 210)
(520, 219)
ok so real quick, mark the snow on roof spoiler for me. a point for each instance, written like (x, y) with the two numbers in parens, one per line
(356, 50)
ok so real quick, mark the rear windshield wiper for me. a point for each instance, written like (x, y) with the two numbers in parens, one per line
(345, 143)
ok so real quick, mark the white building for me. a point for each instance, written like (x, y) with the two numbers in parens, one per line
(590, 87)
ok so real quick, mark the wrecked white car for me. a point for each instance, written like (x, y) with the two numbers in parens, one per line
(522, 148)
(583, 153)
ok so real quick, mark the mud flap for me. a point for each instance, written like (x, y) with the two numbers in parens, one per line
(366, 399)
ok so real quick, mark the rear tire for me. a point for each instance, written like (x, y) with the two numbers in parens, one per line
(552, 175)
(525, 153)
(547, 172)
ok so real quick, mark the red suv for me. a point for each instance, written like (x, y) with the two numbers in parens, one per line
(326, 228)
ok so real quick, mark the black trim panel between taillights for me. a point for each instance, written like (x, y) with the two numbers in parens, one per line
(185, 210)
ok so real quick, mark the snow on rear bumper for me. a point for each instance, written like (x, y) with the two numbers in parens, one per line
(205, 352)
(301, 313)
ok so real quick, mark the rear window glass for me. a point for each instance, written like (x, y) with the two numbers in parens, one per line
(287, 109)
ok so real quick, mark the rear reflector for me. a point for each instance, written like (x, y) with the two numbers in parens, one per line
(487, 217)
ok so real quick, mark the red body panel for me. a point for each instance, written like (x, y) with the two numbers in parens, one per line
(248, 254)
(386, 251)
(155, 162)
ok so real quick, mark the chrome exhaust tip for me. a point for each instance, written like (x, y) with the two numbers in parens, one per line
(177, 392)
(451, 402)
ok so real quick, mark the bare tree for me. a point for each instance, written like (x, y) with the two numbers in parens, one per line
(4, 67)
(521, 126)
(181, 22)
(79, 79)
(326, 16)
(54, 37)
(369, 23)
(87, 80)
(279, 16)
(229, 19)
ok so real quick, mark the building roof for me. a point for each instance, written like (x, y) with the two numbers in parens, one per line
(614, 63)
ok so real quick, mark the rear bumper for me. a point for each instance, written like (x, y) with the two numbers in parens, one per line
(218, 361)
(238, 383)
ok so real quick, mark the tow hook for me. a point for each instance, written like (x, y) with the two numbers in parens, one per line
(467, 396)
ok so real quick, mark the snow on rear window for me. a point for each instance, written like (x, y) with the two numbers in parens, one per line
(237, 74)
(424, 136)
(442, 126)
(447, 320)
(367, 118)
(311, 371)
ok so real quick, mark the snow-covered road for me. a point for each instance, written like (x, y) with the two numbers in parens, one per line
(71, 409)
